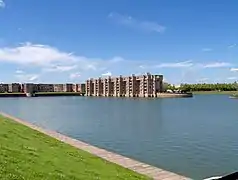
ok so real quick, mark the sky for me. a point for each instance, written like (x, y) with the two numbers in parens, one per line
(58, 41)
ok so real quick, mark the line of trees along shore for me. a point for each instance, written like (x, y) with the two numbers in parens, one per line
(206, 87)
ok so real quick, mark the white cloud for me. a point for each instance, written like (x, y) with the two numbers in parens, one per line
(60, 68)
(203, 80)
(19, 72)
(207, 49)
(34, 54)
(234, 69)
(19, 29)
(142, 66)
(116, 59)
(74, 75)
(91, 67)
(33, 77)
(232, 78)
(2, 4)
(136, 24)
(27, 77)
(175, 65)
(107, 74)
(232, 46)
(45, 59)
(187, 64)
(48, 58)
(217, 65)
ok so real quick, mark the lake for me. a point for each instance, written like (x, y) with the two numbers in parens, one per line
(196, 137)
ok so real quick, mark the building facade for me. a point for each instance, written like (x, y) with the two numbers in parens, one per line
(147, 85)
(81, 88)
(4, 88)
(29, 88)
(67, 87)
(14, 88)
(44, 88)
(58, 87)
(33, 88)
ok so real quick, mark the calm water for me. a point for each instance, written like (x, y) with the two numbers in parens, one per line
(197, 137)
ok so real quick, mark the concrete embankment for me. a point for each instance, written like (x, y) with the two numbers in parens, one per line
(58, 94)
(40, 94)
(234, 97)
(48, 94)
(12, 95)
(174, 95)
(141, 168)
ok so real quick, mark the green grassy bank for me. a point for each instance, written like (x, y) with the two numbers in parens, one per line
(26, 154)
(215, 92)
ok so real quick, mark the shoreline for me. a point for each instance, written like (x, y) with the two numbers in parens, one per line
(214, 92)
(44, 94)
(136, 166)
(175, 95)
(53, 94)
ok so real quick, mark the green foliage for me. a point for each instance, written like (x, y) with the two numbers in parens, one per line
(171, 87)
(210, 87)
(26, 154)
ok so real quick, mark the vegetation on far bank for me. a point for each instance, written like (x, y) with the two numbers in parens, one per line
(226, 88)
(27, 154)
(215, 92)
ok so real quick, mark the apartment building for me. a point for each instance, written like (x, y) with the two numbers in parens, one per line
(147, 85)
(82, 88)
(119, 86)
(90, 87)
(44, 87)
(29, 88)
(58, 87)
(79, 88)
(67, 87)
(14, 88)
(108, 85)
(4, 88)
(75, 87)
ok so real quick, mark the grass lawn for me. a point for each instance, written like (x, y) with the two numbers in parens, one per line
(26, 154)
(215, 92)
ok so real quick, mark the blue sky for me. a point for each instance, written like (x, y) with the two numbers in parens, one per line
(69, 41)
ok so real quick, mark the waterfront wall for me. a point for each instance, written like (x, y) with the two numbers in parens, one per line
(48, 94)
(12, 95)
(174, 95)
(58, 94)
(157, 95)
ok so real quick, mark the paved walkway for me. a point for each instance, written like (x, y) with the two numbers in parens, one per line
(141, 168)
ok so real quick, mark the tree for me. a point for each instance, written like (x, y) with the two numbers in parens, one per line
(210, 87)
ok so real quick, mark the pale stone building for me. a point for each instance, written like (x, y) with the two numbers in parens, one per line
(4, 88)
(147, 85)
